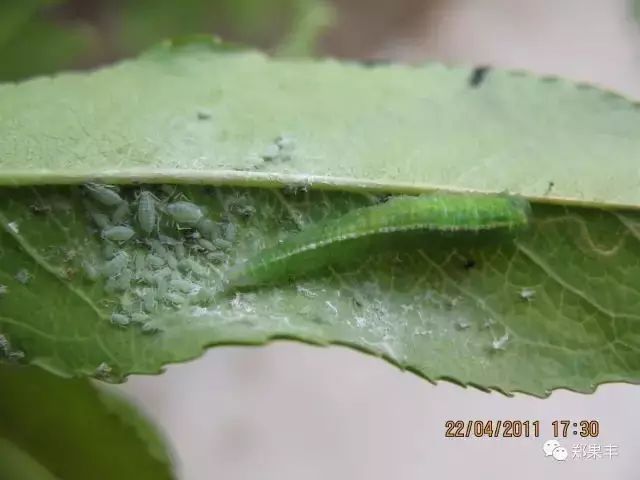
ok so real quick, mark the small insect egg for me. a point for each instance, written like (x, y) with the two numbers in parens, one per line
(107, 196)
(147, 216)
(500, 343)
(23, 276)
(120, 320)
(206, 244)
(118, 233)
(184, 212)
(527, 294)
(155, 261)
(100, 219)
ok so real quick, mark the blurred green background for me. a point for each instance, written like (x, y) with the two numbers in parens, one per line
(44, 36)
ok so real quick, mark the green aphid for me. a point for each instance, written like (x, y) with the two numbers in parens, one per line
(206, 244)
(119, 233)
(114, 266)
(222, 244)
(184, 212)
(158, 248)
(155, 261)
(91, 272)
(120, 320)
(204, 296)
(149, 301)
(121, 213)
(109, 251)
(184, 286)
(217, 257)
(229, 232)
(174, 298)
(180, 251)
(188, 265)
(207, 227)
(23, 276)
(100, 219)
(172, 262)
(150, 328)
(103, 194)
(139, 317)
(147, 215)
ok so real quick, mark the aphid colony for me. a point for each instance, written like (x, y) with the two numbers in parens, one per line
(156, 254)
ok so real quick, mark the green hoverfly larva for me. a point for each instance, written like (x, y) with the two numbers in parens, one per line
(304, 251)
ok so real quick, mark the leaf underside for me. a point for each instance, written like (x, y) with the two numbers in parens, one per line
(552, 307)
(555, 306)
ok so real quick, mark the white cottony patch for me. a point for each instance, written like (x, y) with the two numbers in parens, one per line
(500, 343)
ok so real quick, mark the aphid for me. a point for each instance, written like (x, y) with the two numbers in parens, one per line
(181, 252)
(206, 244)
(103, 370)
(118, 233)
(39, 209)
(139, 317)
(120, 320)
(174, 298)
(184, 286)
(222, 244)
(155, 261)
(121, 213)
(313, 247)
(13, 226)
(150, 328)
(147, 215)
(162, 286)
(204, 296)
(229, 232)
(108, 251)
(23, 276)
(5, 346)
(190, 266)
(103, 194)
(100, 219)
(114, 266)
(527, 294)
(167, 240)
(172, 262)
(500, 343)
(216, 257)
(140, 263)
(90, 271)
(158, 248)
(184, 212)
(149, 301)
(206, 227)
(271, 152)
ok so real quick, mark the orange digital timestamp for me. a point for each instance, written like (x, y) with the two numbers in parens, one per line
(492, 428)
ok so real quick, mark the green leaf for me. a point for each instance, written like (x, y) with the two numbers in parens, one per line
(555, 306)
(52, 427)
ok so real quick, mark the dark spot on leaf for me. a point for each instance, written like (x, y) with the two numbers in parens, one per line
(469, 264)
(478, 76)
(202, 115)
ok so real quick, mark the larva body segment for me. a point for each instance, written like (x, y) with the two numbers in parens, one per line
(310, 249)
